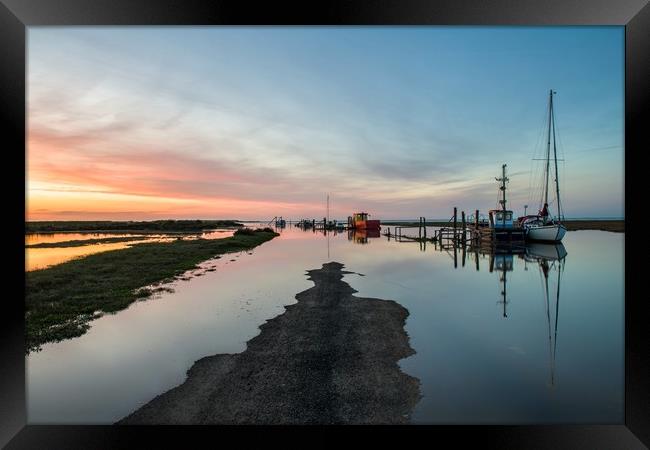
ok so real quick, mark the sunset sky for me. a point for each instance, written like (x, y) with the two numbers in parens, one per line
(146, 123)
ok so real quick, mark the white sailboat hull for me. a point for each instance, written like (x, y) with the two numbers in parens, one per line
(546, 233)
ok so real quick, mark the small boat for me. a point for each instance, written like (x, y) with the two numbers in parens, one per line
(502, 230)
(359, 221)
(542, 227)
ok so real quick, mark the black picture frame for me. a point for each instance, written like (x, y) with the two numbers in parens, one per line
(16, 15)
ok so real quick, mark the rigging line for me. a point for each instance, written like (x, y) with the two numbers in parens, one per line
(609, 147)
(557, 176)
(563, 155)
(545, 123)
(548, 146)
(532, 180)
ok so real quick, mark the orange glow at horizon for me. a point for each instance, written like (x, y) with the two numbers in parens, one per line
(65, 182)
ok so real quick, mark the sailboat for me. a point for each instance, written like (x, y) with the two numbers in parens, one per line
(542, 227)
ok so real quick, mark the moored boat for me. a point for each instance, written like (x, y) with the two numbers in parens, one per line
(542, 227)
(359, 221)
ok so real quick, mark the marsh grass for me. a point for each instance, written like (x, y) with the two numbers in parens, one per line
(61, 300)
(155, 225)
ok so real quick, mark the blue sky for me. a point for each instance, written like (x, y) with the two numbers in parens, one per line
(253, 122)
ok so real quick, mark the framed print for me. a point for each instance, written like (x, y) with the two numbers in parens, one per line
(378, 218)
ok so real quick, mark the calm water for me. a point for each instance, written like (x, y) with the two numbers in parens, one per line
(543, 356)
(40, 258)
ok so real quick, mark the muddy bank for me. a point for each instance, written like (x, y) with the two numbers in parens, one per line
(330, 358)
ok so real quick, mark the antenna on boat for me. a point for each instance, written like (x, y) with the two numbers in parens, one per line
(328, 208)
(502, 188)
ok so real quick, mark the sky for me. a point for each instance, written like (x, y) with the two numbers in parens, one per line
(142, 123)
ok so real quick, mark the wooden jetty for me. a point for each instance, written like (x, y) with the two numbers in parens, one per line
(497, 230)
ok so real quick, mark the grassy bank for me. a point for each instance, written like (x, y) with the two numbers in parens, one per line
(82, 242)
(617, 226)
(571, 225)
(61, 300)
(106, 225)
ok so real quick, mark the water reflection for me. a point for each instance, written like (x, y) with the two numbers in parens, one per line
(549, 259)
(479, 360)
(44, 257)
(362, 236)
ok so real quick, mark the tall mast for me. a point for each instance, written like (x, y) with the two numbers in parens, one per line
(503, 180)
(548, 147)
(328, 208)
(557, 178)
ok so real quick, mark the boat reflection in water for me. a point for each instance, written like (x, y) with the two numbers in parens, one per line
(362, 236)
(550, 260)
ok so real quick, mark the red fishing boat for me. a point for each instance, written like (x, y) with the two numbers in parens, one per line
(359, 221)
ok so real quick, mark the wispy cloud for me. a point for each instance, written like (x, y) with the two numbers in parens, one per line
(255, 123)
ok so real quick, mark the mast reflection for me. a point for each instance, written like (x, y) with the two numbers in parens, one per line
(550, 260)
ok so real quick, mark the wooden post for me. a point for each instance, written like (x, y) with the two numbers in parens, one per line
(420, 227)
(424, 223)
(455, 220)
(476, 218)
(476, 255)
(455, 255)
(462, 214)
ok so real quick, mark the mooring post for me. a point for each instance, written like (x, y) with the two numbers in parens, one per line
(476, 218)
(455, 219)
(424, 226)
(462, 214)
(420, 227)
(455, 256)
(476, 255)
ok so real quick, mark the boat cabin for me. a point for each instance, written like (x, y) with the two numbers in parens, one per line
(501, 219)
(360, 221)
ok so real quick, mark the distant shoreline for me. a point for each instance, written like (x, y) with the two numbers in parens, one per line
(189, 226)
(616, 226)
(119, 226)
